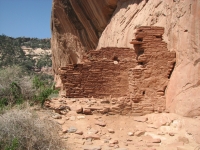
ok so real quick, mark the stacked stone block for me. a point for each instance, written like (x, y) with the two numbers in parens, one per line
(150, 77)
(105, 73)
(135, 80)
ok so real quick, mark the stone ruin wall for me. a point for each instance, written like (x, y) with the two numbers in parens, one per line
(105, 74)
(133, 80)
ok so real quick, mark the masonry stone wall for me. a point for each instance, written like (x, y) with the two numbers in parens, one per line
(135, 80)
(105, 73)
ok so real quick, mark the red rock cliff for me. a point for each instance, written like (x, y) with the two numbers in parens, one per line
(82, 25)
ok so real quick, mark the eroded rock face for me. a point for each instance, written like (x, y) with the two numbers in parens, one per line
(181, 20)
(76, 27)
(79, 22)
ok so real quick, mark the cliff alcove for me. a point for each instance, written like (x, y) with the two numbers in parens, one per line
(79, 26)
(137, 76)
(119, 63)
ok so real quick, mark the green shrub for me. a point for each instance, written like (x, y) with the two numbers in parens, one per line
(38, 83)
(44, 94)
(44, 61)
(15, 86)
(3, 102)
(23, 129)
(44, 88)
(14, 145)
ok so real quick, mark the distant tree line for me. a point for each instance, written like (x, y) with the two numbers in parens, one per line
(11, 52)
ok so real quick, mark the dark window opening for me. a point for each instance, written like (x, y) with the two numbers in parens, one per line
(75, 66)
(136, 101)
(140, 63)
(141, 51)
(158, 36)
(115, 58)
(143, 93)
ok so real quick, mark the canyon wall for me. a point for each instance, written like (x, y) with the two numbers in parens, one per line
(76, 27)
(181, 20)
(84, 25)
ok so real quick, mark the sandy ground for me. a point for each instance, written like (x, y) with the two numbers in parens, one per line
(157, 131)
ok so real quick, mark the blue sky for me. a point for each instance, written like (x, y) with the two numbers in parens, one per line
(29, 18)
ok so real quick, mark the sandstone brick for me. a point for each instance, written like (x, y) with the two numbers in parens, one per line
(139, 75)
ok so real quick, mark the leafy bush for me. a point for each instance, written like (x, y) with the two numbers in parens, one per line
(45, 89)
(23, 129)
(17, 86)
(44, 94)
(44, 61)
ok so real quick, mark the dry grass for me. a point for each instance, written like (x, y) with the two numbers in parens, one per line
(23, 129)
(15, 74)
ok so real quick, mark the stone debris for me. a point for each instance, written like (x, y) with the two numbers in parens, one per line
(64, 128)
(113, 142)
(171, 134)
(72, 130)
(80, 117)
(87, 111)
(79, 132)
(134, 133)
(140, 119)
(91, 147)
(131, 133)
(111, 145)
(79, 109)
(149, 139)
(100, 123)
(139, 133)
(57, 116)
(156, 141)
(111, 130)
(60, 121)
(92, 131)
(121, 149)
(98, 129)
(92, 136)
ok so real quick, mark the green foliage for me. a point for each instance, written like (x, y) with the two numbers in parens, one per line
(11, 52)
(12, 95)
(37, 83)
(35, 43)
(3, 102)
(16, 93)
(44, 61)
(16, 86)
(45, 89)
(44, 94)
(13, 146)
